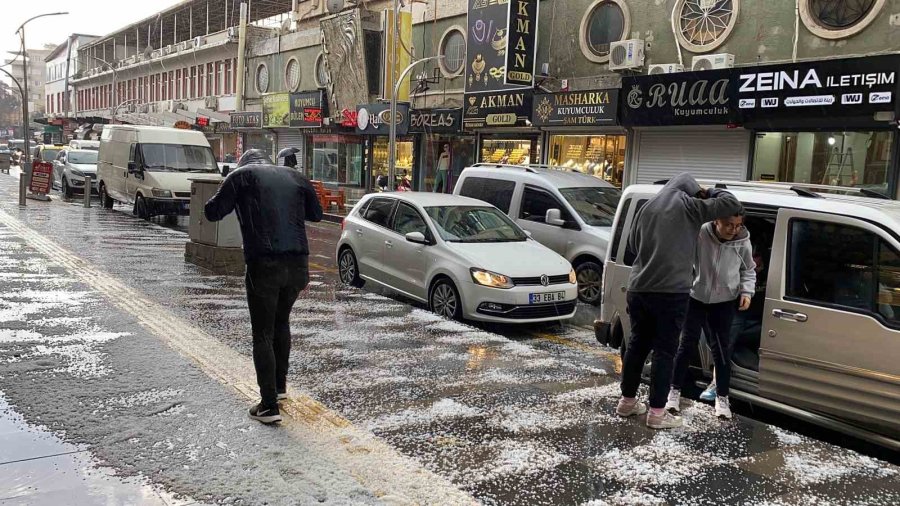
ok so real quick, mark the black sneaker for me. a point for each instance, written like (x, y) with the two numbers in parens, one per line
(264, 414)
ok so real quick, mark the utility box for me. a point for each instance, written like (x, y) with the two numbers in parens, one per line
(216, 246)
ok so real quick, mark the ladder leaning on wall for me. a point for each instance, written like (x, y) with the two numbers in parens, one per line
(837, 162)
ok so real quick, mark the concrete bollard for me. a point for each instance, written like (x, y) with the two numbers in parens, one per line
(22, 189)
(88, 181)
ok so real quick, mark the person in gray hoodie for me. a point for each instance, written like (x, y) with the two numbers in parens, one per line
(661, 248)
(724, 283)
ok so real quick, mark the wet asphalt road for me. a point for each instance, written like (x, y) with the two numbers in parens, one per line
(514, 417)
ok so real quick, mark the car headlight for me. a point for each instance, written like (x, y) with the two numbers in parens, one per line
(491, 279)
(573, 278)
(76, 172)
(164, 194)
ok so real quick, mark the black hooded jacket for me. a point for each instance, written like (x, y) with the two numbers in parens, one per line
(663, 240)
(272, 205)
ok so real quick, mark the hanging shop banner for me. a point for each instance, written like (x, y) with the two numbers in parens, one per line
(682, 98)
(499, 109)
(246, 120)
(823, 88)
(307, 109)
(343, 44)
(374, 119)
(435, 121)
(521, 44)
(397, 51)
(486, 46)
(276, 110)
(576, 108)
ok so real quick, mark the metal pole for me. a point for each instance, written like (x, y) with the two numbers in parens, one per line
(392, 144)
(22, 185)
(25, 165)
(88, 181)
(242, 46)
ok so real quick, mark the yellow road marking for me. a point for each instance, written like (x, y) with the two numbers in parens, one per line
(356, 452)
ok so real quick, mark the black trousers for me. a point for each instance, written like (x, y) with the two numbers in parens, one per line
(272, 288)
(716, 319)
(656, 322)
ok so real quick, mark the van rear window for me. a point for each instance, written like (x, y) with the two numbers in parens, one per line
(495, 192)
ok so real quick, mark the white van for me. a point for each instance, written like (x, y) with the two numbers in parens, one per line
(150, 168)
(569, 212)
(83, 144)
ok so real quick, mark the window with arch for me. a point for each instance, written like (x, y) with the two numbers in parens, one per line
(292, 75)
(262, 78)
(703, 25)
(453, 49)
(837, 19)
(605, 22)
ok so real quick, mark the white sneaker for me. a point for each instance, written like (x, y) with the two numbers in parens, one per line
(664, 421)
(723, 408)
(633, 408)
(674, 403)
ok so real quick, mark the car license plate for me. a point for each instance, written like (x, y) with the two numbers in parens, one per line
(543, 298)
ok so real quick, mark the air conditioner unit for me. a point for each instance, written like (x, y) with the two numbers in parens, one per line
(334, 6)
(199, 41)
(155, 54)
(211, 103)
(713, 61)
(232, 32)
(626, 54)
(183, 46)
(665, 68)
(168, 49)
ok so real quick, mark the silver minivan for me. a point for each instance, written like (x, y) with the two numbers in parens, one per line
(822, 336)
(569, 212)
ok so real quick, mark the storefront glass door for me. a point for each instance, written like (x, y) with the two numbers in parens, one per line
(512, 151)
(337, 159)
(855, 159)
(602, 156)
(461, 151)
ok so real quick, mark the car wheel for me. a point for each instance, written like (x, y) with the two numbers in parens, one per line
(348, 269)
(66, 189)
(140, 208)
(590, 282)
(445, 301)
(105, 200)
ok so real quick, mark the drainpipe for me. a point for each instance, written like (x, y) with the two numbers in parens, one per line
(242, 47)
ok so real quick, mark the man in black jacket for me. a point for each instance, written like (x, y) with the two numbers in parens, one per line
(272, 205)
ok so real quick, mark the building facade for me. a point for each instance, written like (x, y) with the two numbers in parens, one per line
(62, 65)
(37, 77)
(176, 68)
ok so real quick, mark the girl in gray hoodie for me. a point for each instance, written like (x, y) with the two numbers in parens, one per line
(724, 283)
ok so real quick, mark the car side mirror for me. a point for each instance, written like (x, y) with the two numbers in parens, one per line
(417, 238)
(554, 217)
(132, 168)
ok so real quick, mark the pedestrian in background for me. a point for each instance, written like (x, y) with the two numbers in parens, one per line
(662, 245)
(272, 204)
(724, 283)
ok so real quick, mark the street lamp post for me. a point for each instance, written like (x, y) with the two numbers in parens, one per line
(26, 132)
(392, 145)
(22, 192)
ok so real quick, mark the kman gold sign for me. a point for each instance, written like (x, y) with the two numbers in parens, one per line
(521, 42)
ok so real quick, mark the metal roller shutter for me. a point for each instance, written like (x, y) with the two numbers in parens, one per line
(705, 154)
(292, 138)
